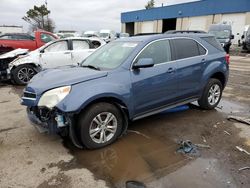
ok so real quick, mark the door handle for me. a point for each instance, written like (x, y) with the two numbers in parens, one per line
(171, 70)
(203, 60)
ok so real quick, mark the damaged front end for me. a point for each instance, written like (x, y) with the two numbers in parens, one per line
(6, 59)
(49, 119)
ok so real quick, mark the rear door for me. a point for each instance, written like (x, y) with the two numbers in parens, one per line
(55, 55)
(191, 59)
(156, 86)
(81, 50)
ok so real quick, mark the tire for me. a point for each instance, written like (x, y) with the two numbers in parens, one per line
(93, 120)
(22, 74)
(211, 95)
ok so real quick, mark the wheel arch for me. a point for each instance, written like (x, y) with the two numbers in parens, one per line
(116, 102)
(221, 77)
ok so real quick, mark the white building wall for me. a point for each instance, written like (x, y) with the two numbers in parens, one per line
(11, 29)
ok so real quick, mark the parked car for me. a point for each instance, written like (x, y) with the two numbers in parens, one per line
(246, 39)
(69, 51)
(123, 35)
(223, 33)
(127, 80)
(90, 34)
(107, 35)
(12, 41)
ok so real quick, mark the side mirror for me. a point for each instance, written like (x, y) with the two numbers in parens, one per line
(42, 51)
(232, 37)
(144, 63)
(243, 36)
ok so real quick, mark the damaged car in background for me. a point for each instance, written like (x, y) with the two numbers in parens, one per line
(69, 51)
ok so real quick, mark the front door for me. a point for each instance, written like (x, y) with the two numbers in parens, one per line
(156, 86)
(56, 55)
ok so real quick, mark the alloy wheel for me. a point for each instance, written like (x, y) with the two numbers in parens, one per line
(214, 94)
(25, 74)
(103, 127)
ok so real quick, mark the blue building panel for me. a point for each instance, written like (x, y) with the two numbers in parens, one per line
(198, 8)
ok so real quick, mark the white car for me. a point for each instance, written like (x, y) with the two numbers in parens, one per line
(107, 35)
(69, 51)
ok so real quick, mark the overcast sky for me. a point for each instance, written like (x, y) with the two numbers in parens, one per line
(79, 15)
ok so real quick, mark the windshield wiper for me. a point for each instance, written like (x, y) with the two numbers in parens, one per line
(91, 67)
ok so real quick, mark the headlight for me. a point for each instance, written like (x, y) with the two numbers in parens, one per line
(52, 97)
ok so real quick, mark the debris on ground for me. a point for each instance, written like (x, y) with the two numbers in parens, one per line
(239, 119)
(227, 133)
(139, 133)
(135, 184)
(187, 147)
(242, 150)
(244, 168)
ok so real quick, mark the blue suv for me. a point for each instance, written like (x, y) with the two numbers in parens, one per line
(126, 80)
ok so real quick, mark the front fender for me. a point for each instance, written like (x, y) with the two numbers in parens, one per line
(22, 61)
(84, 93)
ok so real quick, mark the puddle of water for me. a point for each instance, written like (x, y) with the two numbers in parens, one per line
(133, 157)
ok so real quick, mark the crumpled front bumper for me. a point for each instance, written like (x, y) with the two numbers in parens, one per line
(5, 74)
(44, 126)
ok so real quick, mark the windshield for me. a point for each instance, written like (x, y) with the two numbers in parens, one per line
(104, 35)
(225, 34)
(111, 55)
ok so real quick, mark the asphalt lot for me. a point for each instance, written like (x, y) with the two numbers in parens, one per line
(146, 154)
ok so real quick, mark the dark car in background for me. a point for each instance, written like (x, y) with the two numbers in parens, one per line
(246, 40)
(223, 33)
(126, 80)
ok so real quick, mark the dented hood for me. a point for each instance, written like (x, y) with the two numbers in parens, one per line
(14, 53)
(63, 76)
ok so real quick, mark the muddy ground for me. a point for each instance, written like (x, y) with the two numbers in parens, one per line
(146, 154)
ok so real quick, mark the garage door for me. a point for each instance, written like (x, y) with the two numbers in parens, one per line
(147, 27)
(197, 23)
(238, 24)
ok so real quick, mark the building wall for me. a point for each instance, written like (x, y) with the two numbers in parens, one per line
(11, 29)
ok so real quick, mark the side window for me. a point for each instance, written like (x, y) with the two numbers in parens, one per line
(159, 51)
(57, 47)
(202, 50)
(212, 41)
(80, 45)
(185, 48)
(46, 37)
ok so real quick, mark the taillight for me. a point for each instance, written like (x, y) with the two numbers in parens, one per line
(227, 57)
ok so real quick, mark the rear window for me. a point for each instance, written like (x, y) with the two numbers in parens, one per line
(185, 48)
(212, 41)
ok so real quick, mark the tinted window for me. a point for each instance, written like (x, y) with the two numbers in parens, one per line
(212, 41)
(80, 45)
(57, 47)
(22, 37)
(159, 51)
(185, 48)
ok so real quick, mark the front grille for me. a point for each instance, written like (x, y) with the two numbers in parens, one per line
(29, 95)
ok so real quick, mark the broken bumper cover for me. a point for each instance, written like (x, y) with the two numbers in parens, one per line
(46, 124)
(5, 74)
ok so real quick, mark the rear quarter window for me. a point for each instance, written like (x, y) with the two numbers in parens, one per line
(212, 41)
(186, 48)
